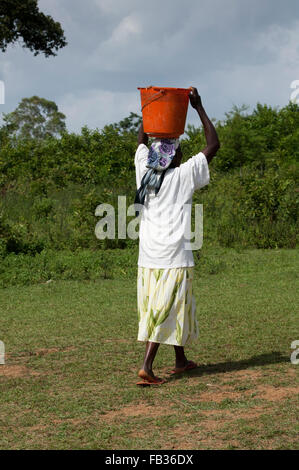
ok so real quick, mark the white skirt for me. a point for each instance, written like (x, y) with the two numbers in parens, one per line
(166, 306)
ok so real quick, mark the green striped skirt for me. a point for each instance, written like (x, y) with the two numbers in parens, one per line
(166, 306)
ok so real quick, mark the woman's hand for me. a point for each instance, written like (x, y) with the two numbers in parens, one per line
(194, 97)
(142, 136)
(210, 132)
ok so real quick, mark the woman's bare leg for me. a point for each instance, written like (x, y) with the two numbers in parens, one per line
(150, 354)
(180, 358)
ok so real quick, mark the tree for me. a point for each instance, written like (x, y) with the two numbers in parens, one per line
(35, 117)
(22, 19)
(129, 124)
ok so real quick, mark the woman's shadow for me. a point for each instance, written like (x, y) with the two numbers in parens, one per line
(274, 357)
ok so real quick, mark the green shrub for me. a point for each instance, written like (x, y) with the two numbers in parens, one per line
(50, 188)
(67, 265)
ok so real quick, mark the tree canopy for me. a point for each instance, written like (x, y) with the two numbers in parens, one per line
(35, 117)
(22, 20)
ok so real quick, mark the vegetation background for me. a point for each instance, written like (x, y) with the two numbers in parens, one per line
(51, 182)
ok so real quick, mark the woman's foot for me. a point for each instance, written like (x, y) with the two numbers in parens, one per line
(181, 363)
(149, 378)
(183, 367)
(147, 374)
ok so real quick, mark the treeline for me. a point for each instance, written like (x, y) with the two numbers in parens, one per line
(51, 186)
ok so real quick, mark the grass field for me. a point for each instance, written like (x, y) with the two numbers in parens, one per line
(72, 358)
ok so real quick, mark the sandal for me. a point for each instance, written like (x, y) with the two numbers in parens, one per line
(148, 379)
(189, 366)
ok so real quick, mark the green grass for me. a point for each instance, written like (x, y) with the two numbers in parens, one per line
(72, 357)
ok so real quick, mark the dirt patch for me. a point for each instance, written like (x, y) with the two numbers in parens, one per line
(183, 437)
(243, 374)
(293, 372)
(208, 433)
(39, 427)
(225, 416)
(251, 413)
(216, 443)
(205, 437)
(44, 351)
(136, 410)
(36, 427)
(74, 421)
(37, 352)
(217, 395)
(116, 340)
(252, 374)
(270, 393)
(13, 371)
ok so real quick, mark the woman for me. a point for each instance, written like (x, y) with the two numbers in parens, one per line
(166, 306)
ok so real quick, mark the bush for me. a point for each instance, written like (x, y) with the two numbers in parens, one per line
(50, 188)
(53, 265)
(251, 210)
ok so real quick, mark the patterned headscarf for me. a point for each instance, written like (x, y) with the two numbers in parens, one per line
(160, 156)
(161, 153)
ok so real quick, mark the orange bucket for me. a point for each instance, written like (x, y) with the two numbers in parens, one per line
(164, 111)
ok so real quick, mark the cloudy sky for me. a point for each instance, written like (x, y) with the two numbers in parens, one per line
(233, 51)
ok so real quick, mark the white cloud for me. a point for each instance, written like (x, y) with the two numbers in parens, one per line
(282, 44)
(128, 28)
(116, 7)
(266, 81)
(97, 107)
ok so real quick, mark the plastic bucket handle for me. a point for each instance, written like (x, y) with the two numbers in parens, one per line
(156, 96)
